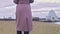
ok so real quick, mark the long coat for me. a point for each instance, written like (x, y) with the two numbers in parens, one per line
(23, 16)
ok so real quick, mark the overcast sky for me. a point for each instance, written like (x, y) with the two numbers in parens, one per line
(8, 6)
(7, 2)
(48, 1)
(4, 3)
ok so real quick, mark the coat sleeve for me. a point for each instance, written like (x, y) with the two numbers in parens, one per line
(15, 1)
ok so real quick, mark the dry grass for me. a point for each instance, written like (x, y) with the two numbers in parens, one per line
(8, 27)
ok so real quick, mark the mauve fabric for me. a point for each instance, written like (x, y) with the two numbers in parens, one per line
(23, 16)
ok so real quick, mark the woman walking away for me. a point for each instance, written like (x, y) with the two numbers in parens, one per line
(23, 16)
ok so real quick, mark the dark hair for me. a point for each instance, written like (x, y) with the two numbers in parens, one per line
(16, 1)
(31, 1)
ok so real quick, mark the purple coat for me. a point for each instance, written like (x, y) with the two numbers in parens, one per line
(23, 16)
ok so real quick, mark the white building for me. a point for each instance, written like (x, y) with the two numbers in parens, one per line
(52, 16)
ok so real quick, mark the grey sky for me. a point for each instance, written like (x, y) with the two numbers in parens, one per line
(7, 7)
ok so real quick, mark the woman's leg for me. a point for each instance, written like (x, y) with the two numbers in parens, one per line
(26, 32)
(19, 32)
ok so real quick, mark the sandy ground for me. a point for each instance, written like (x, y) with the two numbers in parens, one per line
(9, 27)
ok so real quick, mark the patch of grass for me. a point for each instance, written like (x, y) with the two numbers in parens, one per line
(9, 27)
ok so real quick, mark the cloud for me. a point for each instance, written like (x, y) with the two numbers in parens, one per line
(48, 1)
(43, 5)
(8, 12)
(5, 2)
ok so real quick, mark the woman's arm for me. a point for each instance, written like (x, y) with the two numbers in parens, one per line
(16, 1)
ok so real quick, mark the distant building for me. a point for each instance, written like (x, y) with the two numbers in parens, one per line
(52, 16)
(9, 17)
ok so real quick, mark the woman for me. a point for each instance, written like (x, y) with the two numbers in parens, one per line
(23, 16)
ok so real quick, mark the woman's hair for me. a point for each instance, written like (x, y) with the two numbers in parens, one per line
(31, 1)
(16, 1)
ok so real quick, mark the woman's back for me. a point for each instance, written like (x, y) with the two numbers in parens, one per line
(23, 15)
